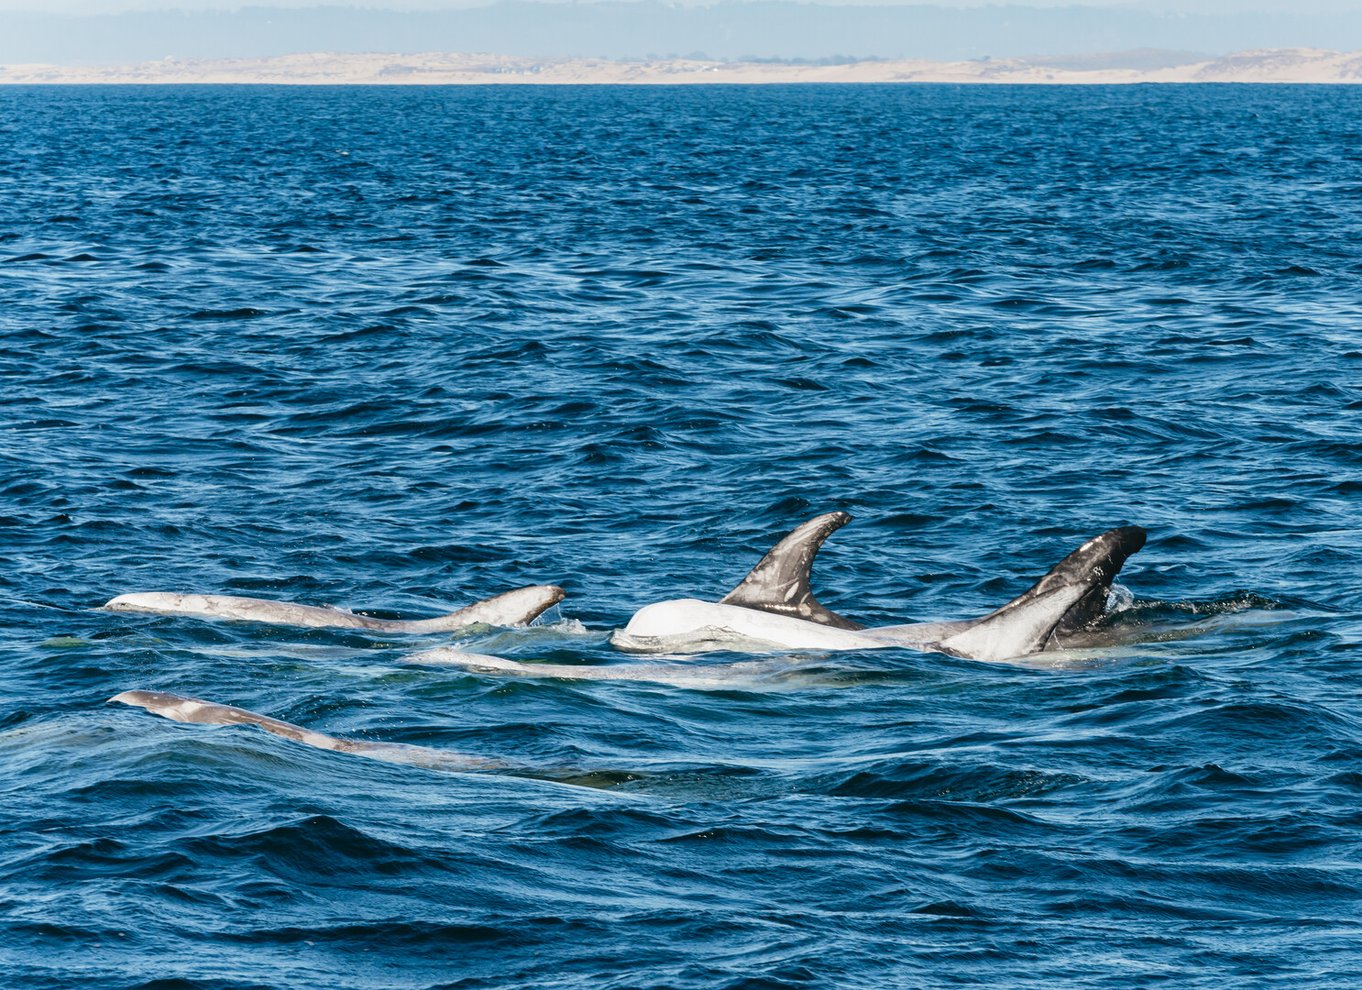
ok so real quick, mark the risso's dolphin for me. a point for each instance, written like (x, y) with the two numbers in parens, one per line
(512, 608)
(774, 608)
(182, 709)
(766, 672)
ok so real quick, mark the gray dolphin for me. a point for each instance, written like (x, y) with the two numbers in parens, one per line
(774, 607)
(512, 608)
(182, 709)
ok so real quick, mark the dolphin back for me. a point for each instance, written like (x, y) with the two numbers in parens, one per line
(182, 709)
(1071, 595)
(511, 608)
(780, 583)
(238, 609)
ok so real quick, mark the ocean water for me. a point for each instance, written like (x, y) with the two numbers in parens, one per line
(401, 349)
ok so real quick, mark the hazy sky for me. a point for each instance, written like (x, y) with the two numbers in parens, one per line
(1172, 6)
(44, 31)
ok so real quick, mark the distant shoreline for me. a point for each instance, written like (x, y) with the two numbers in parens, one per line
(1278, 65)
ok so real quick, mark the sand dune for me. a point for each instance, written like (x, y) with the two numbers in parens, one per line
(1281, 65)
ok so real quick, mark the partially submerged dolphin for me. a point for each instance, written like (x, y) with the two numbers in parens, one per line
(182, 709)
(512, 608)
(704, 677)
(775, 607)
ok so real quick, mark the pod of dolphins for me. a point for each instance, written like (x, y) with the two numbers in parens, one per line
(773, 609)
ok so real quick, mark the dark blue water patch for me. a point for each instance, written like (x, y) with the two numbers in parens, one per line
(423, 345)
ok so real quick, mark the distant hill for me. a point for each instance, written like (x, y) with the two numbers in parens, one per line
(760, 29)
(1296, 65)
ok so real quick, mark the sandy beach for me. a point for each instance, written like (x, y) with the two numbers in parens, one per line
(1286, 65)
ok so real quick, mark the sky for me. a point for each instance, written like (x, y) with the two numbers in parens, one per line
(120, 32)
(1170, 6)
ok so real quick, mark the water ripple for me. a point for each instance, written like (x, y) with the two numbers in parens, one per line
(423, 345)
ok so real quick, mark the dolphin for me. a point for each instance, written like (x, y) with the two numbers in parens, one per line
(704, 677)
(511, 608)
(774, 607)
(182, 709)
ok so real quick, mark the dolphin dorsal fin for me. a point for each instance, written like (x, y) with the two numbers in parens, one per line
(1095, 564)
(780, 582)
(510, 608)
(1071, 594)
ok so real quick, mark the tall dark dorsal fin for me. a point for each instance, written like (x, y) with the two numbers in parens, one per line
(1072, 593)
(780, 582)
(1119, 545)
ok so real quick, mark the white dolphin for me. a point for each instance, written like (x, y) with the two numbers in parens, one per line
(512, 608)
(704, 677)
(773, 608)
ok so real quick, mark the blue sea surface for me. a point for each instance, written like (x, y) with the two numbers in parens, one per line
(399, 349)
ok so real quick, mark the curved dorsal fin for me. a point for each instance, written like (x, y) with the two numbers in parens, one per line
(780, 582)
(1103, 562)
(1071, 594)
(1121, 544)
